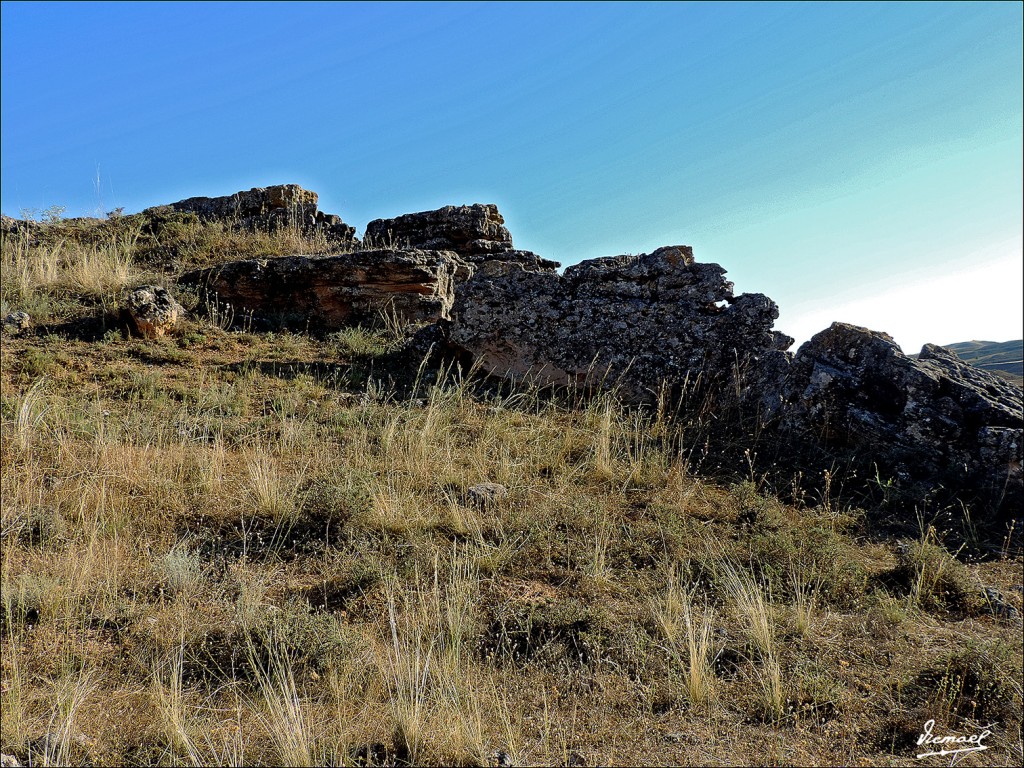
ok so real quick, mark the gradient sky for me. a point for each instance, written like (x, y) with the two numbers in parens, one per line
(855, 162)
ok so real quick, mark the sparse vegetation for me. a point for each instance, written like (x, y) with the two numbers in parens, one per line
(230, 547)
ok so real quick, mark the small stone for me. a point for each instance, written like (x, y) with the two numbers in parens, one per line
(152, 310)
(485, 495)
(9, 761)
(16, 322)
(999, 606)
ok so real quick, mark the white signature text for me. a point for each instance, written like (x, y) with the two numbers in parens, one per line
(950, 745)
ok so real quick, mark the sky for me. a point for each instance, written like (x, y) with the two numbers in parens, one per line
(855, 162)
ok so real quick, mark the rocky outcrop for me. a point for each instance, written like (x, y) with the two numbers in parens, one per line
(264, 208)
(925, 424)
(331, 292)
(660, 323)
(152, 311)
(475, 232)
(636, 322)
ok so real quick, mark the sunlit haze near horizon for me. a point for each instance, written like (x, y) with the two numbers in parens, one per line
(855, 162)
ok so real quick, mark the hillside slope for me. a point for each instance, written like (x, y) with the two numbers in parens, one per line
(1006, 357)
(232, 546)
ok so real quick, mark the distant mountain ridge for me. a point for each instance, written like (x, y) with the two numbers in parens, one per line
(1003, 357)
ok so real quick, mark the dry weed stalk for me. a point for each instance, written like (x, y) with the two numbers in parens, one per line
(805, 595)
(752, 604)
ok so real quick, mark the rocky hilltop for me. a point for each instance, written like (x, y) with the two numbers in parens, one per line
(264, 208)
(657, 328)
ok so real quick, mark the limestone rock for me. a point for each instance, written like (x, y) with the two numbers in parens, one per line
(926, 423)
(528, 260)
(475, 232)
(999, 606)
(10, 226)
(17, 322)
(20, 228)
(264, 207)
(636, 322)
(485, 495)
(152, 311)
(332, 292)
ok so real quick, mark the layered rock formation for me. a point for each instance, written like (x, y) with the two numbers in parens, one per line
(332, 292)
(636, 322)
(925, 424)
(475, 232)
(264, 208)
(415, 281)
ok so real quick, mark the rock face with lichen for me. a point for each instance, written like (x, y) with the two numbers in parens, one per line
(475, 232)
(327, 293)
(265, 208)
(926, 424)
(634, 322)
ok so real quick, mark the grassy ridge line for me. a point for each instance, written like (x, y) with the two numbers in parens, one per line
(233, 548)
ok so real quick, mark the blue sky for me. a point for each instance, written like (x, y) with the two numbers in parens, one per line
(855, 162)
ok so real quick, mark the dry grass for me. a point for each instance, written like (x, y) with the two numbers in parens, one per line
(216, 549)
(752, 607)
(688, 628)
(38, 277)
(804, 601)
(171, 704)
(284, 715)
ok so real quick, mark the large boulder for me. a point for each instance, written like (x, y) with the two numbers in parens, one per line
(635, 322)
(921, 425)
(475, 232)
(328, 293)
(264, 208)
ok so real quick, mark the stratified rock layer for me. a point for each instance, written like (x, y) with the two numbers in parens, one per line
(264, 208)
(637, 322)
(468, 230)
(475, 232)
(335, 291)
(927, 424)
